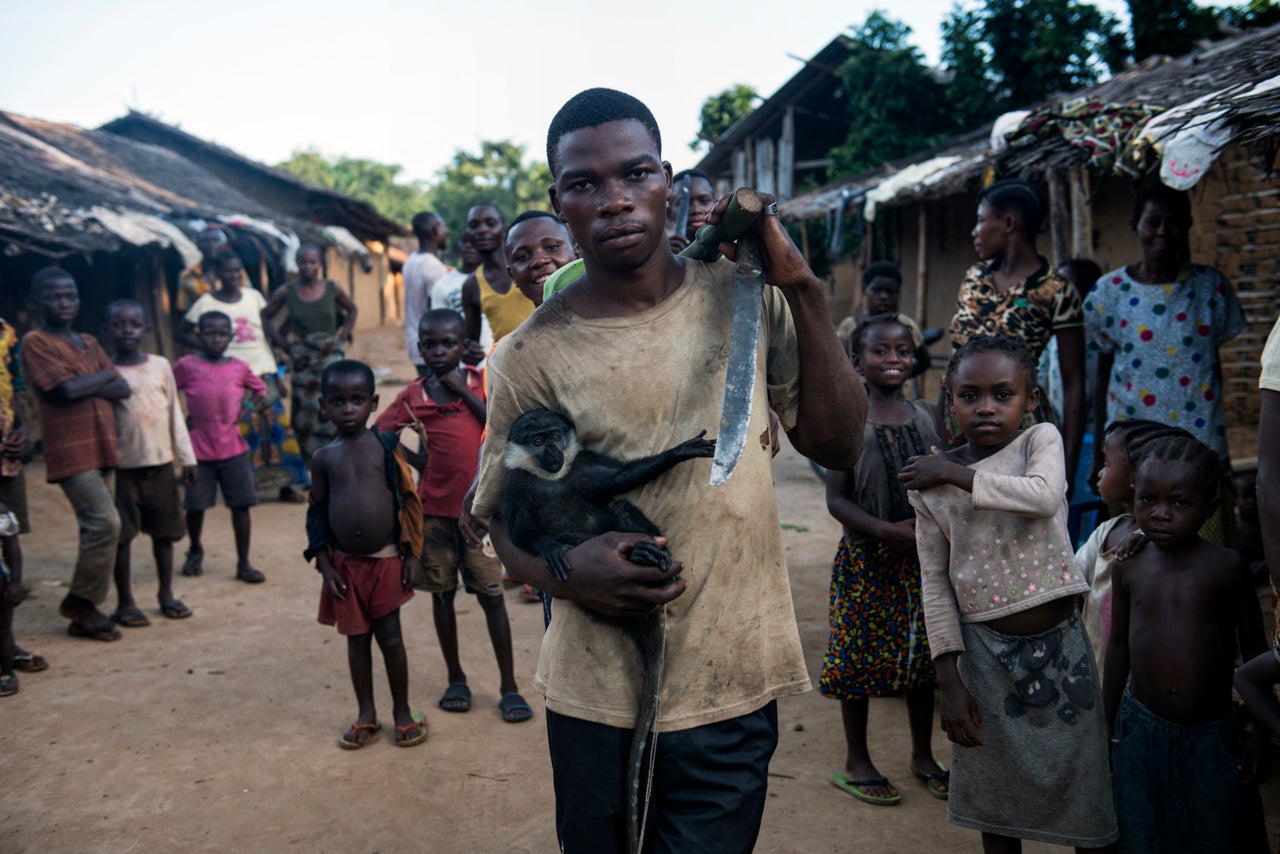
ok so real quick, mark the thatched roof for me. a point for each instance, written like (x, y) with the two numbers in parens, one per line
(52, 175)
(967, 156)
(1220, 71)
(275, 188)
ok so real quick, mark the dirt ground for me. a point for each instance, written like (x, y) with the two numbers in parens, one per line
(217, 733)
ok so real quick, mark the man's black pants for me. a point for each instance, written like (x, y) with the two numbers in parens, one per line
(709, 784)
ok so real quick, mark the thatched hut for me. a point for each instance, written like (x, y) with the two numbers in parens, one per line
(924, 204)
(355, 235)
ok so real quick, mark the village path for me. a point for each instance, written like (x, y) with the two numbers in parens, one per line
(217, 733)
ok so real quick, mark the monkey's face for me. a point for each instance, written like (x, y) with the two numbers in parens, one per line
(549, 448)
(542, 443)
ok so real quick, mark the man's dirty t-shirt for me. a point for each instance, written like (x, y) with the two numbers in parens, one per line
(635, 386)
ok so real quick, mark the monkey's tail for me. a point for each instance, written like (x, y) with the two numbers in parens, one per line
(649, 636)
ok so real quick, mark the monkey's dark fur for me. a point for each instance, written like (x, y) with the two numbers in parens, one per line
(556, 495)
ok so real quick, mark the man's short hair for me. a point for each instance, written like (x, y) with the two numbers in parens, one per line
(501, 216)
(123, 305)
(693, 173)
(595, 107)
(48, 275)
(204, 319)
(346, 368)
(442, 315)
(528, 215)
(881, 269)
(424, 223)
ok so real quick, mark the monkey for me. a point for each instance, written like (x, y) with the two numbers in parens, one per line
(556, 495)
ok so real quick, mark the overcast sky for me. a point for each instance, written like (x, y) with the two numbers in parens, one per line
(408, 82)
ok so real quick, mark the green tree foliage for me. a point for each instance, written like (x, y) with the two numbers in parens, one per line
(1255, 13)
(1014, 53)
(719, 112)
(378, 184)
(895, 101)
(1168, 26)
(498, 173)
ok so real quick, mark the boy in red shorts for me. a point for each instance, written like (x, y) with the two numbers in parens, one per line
(365, 533)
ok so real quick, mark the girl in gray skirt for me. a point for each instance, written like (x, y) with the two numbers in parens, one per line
(1020, 695)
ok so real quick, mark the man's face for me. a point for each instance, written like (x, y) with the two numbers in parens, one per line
(484, 224)
(58, 302)
(612, 192)
(536, 248)
(211, 243)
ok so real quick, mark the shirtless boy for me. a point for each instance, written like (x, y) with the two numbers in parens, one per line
(1178, 607)
(364, 529)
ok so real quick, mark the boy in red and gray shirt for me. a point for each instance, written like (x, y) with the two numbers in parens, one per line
(74, 385)
(447, 406)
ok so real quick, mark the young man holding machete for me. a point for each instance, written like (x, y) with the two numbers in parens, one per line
(635, 353)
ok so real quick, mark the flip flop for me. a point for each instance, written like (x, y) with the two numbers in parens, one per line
(419, 722)
(193, 564)
(175, 610)
(131, 617)
(355, 729)
(249, 575)
(854, 787)
(103, 633)
(943, 775)
(29, 662)
(457, 698)
(514, 709)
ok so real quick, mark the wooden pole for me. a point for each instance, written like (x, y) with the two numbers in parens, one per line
(922, 263)
(1081, 215)
(804, 242)
(787, 155)
(1059, 217)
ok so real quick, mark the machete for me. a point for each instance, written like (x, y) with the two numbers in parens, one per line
(744, 329)
(682, 207)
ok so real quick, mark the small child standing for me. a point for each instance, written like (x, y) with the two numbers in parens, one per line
(1179, 607)
(75, 385)
(877, 645)
(10, 597)
(1020, 696)
(216, 385)
(150, 431)
(365, 533)
(448, 405)
(1118, 537)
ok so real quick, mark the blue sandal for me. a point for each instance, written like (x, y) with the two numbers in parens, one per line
(514, 709)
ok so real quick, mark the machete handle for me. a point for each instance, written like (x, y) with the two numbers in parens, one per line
(743, 210)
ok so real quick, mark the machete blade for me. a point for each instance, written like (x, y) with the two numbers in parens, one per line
(740, 376)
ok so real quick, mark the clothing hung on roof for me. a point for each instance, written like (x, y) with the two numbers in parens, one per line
(141, 229)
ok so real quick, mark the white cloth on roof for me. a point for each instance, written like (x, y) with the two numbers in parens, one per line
(289, 255)
(916, 173)
(140, 229)
(345, 242)
(1005, 125)
(1190, 139)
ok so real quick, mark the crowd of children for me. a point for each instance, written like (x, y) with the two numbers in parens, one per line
(1086, 693)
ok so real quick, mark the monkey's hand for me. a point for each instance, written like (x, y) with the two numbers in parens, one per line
(698, 446)
(606, 580)
(649, 553)
(556, 561)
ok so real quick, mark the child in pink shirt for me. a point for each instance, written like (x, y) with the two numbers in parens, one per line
(215, 386)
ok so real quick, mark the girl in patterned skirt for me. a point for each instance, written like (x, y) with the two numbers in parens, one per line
(877, 645)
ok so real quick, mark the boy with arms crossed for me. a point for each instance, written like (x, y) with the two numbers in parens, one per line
(732, 646)
(364, 529)
(75, 386)
(151, 430)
